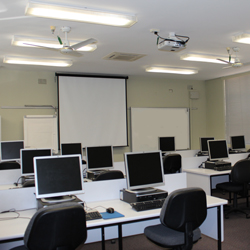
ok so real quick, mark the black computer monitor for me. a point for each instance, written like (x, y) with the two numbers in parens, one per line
(27, 159)
(167, 144)
(217, 150)
(58, 176)
(144, 170)
(71, 148)
(238, 142)
(203, 143)
(99, 158)
(10, 150)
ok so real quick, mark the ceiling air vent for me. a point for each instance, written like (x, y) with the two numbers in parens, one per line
(128, 57)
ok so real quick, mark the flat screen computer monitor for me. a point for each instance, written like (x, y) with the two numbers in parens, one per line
(144, 170)
(217, 150)
(58, 176)
(27, 159)
(203, 143)
(167, 144)
(238, 142)
(99, 158)
(10, 150)
(71, 148)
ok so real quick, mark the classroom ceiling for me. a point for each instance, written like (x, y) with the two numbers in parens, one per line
(210, 26)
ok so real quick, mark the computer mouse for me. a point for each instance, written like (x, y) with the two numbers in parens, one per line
(110, 210)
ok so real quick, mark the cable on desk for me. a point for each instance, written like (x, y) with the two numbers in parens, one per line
(13, 210)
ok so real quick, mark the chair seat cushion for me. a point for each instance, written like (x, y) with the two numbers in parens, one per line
(167, 237)
(230, 186)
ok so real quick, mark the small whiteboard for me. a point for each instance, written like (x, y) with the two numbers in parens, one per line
(147, 124)
(40, 131)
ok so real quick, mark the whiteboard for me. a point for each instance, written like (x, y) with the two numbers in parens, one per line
(40, 131)
(147, 124)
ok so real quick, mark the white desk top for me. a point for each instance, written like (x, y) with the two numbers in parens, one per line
(206, 171)
(15, 228)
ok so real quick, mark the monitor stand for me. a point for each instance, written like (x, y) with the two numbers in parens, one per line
(59, 199)
(142, 190)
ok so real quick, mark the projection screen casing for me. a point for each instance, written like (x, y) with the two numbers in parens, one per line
(92, 110)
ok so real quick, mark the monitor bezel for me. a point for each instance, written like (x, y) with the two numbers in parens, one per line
(12, 159)
(31, 149)
(159, 144)
(73, 143)
(149, 185)
(220, 158)
(211, 138)
(65, 193)
(99, 168)
(231, 140)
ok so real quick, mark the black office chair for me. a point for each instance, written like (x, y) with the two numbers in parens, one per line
(182, 213)
(9, 165)
(172, 163)
(238, 185)
(109, 175)
(56, 227)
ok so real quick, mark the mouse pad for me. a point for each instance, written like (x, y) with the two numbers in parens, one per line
(106, 215)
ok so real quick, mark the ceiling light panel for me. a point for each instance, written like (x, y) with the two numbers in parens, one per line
(79, 14)
(242, 38)
(37, 61)
(170, 70)
(204, 58)
(33, 41)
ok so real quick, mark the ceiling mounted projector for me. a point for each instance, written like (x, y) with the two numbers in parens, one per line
(172, 43)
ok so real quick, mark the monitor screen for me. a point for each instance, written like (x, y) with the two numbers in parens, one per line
(217, 150)
(203, 143)
(167, 144)
(58, 176)
(27, 155)
(144, 169)
(99, 158)
(71, 148)
(238, 142)
(10, 150)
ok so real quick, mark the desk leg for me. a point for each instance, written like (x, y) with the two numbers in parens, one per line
(219, 226)
(120, 236)
(103, 238)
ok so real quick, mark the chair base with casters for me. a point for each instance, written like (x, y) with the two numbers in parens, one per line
(234, 188)
(182, 213)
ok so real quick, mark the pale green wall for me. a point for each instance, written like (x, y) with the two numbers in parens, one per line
(18, 88)
(215, 103)
(215, 108)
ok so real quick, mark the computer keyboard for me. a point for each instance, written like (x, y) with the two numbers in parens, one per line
(93, 215)
(147, 205)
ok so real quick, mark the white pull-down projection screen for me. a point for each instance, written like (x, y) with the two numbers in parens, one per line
(92, 110)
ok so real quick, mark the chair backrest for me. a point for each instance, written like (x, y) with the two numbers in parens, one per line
(109, 175)
(241, 171)
(182, 206)
(172, 163)
(57, 227)
(9, 165)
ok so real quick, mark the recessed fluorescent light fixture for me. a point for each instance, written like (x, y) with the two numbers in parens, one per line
(79, 14)
(204, 58)
(171, 70)
(242, 38)
(34, 41)
(37, 61)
